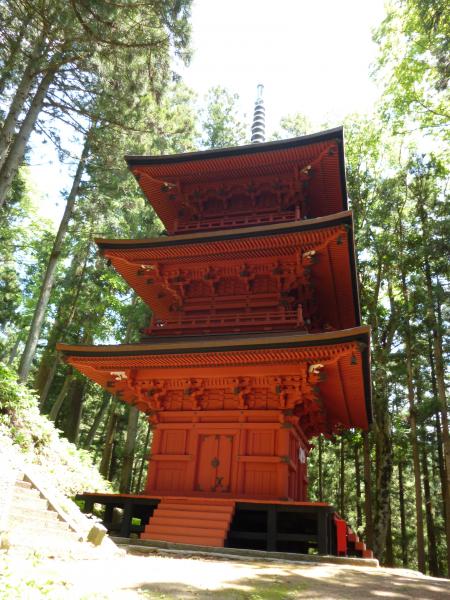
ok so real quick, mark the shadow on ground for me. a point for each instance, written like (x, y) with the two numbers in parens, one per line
(309, 582)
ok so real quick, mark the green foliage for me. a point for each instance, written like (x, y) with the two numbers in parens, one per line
(413, 65)
(221, 123)
(293, 126)
(23, 427)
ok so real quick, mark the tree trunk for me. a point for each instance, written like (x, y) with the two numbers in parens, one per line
(342, 478)
(14, 351)
(15, 47)
(412, 413)
(383, 439)
(76, 398)
(18, 102)
(431, 530)
(63, 320)
(130, 444)
(54, 412)
(358, 487)
(439, 442)
(389, 554)
(49, 277)
(144, 455)
(105, 463)
(401, 497)
(367, 490)
(320, 490)
(439, 368)
(97, 420)
(17, 148)
(48, 382)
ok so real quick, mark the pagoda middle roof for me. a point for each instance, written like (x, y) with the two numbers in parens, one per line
(249, 161)
(336, 275)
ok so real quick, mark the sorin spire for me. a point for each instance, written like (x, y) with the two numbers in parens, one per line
(259, 118)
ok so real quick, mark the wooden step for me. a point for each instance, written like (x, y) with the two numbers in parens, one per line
(181, 521)
(360, 546)
(367, 553)
(184, 530)
(196, 521)
(193, 514)
(195, 507)
(352, 538)
(202, 501)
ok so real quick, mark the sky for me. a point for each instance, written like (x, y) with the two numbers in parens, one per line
(312, 57)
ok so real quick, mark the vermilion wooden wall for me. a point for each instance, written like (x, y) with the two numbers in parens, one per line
(265, 460)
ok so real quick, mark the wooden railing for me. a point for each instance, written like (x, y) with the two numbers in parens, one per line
(267, 321)
(233, 222)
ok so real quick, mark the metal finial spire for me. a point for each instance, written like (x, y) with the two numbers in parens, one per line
(259, 118)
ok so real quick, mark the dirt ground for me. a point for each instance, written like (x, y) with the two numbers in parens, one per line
(166, 577)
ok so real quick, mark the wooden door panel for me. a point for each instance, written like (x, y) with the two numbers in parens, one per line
(224, 468)
(214, 463)
(205, 473)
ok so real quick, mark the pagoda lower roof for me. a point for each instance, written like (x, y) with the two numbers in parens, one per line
(156, 174)
(344, 356)
(332, 235)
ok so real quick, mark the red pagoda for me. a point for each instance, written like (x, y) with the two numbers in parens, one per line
(255, 344)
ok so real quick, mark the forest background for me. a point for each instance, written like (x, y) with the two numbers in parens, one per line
(105, 70)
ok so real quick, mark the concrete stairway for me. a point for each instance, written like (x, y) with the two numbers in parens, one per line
(33, 526)
(195, 521)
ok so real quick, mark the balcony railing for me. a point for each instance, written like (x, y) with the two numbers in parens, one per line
(241, 322)
(227, 222)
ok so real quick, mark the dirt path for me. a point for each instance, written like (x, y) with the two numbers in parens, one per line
(167, 578)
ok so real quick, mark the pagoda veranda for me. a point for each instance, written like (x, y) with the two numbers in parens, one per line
(255, 344)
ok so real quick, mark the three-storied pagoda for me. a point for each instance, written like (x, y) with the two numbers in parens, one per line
(255, 344)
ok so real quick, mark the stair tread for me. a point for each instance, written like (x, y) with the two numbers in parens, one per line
(32, 513)
(195, 507)
(197, 514)
(209, 501)
(213, 523)
(201, 531)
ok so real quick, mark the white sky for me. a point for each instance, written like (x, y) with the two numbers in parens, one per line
(312, 56)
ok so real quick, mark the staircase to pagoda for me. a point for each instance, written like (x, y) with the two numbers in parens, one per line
(198, 521)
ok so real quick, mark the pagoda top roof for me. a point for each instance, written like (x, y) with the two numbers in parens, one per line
(345, 356)
(158, 174)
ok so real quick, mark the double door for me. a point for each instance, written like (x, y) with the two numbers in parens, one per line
(214, 464)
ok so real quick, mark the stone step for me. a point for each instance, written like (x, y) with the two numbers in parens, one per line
(33, 513)
(25, 503)
(41, 526)
(39, 534)
(42, 521)
(24, 492)
(184, 539)
(21, 483)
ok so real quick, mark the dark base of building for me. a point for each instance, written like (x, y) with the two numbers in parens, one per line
(294, 527)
